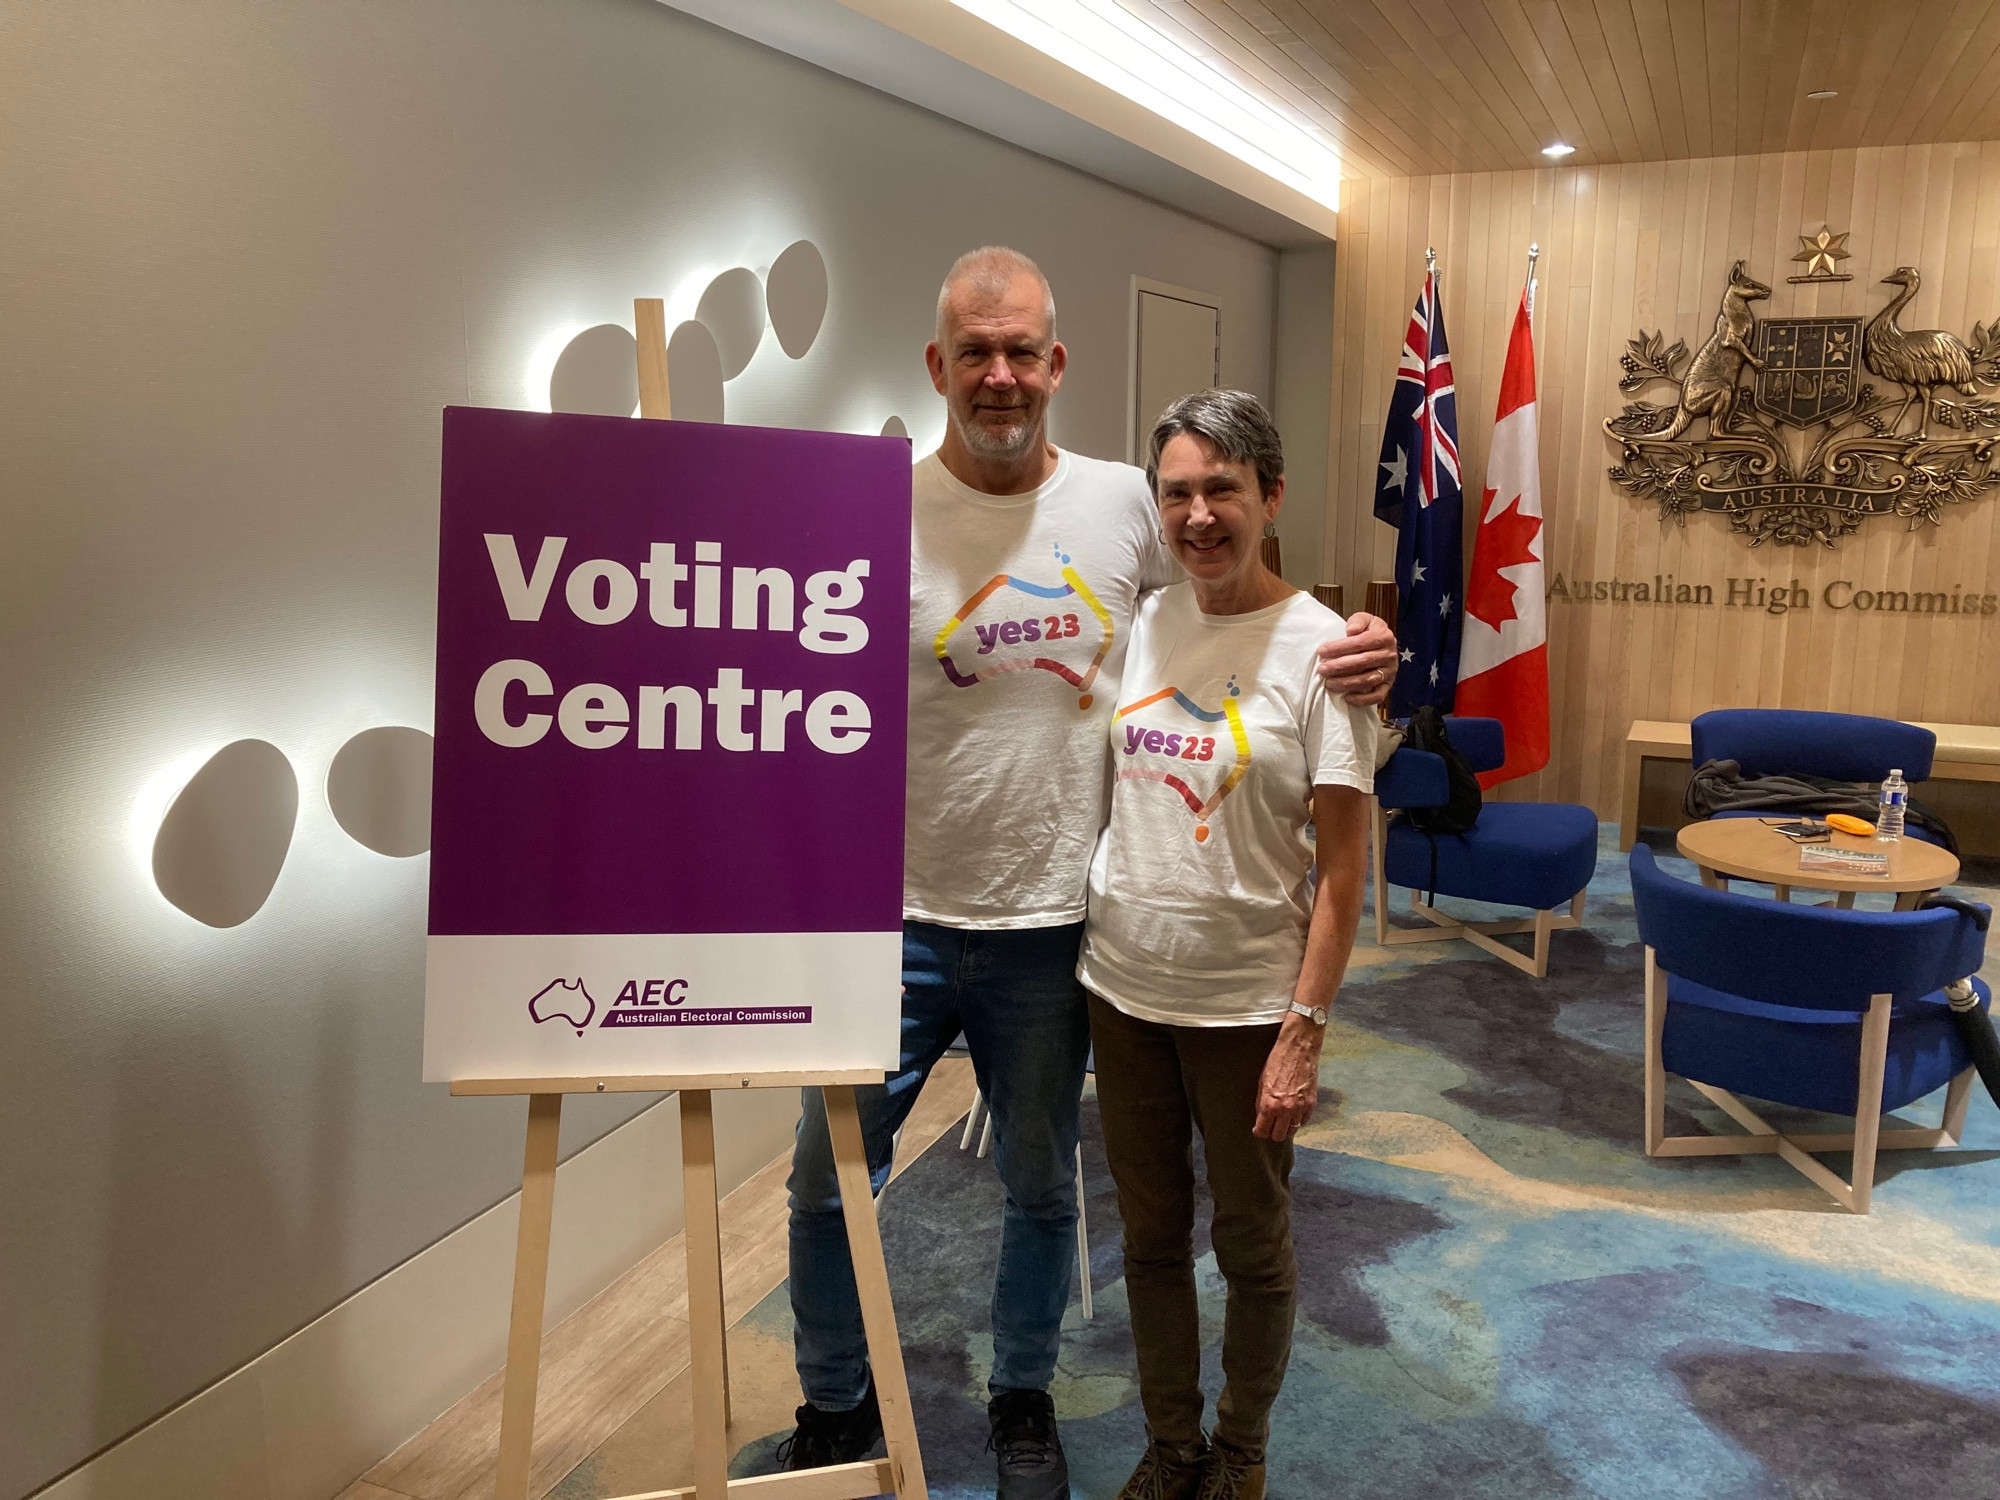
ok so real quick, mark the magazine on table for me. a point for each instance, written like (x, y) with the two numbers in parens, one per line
(1827, 860)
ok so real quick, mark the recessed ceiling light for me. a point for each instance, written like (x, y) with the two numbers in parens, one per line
(1557, 150)
(1824, 94)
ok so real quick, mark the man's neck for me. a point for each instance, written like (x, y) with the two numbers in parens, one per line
(998, 476)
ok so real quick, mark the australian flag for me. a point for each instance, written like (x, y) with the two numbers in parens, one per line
(1417, 492)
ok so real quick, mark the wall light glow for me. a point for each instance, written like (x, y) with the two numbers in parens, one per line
(1108, 44)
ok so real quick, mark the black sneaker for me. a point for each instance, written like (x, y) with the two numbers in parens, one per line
(825, 1438)
(1024, 1441)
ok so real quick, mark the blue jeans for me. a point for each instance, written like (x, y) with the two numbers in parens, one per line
(1015, 996)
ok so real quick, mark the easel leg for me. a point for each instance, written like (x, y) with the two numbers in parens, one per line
(707, 1331)
(871, 1281)
(531, 1282)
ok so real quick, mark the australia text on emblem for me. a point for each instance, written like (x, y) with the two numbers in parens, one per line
(1812, 445)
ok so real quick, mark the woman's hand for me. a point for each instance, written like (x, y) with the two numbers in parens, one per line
(1289, 1088)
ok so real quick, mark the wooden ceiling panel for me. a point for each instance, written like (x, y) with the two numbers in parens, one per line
(1418, 87)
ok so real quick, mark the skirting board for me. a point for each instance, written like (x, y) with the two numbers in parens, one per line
(305, 1418)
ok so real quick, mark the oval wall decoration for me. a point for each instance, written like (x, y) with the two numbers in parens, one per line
(224, 840)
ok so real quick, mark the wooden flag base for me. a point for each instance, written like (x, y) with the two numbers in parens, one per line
(900, 1474)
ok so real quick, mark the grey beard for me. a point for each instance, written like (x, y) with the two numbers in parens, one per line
(1012, 442)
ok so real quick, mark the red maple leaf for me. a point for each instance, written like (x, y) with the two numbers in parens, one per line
(1503, 542)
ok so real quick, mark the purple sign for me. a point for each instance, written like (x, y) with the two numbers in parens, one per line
(672, 678)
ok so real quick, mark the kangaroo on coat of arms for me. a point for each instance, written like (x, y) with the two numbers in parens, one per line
(1849, 454)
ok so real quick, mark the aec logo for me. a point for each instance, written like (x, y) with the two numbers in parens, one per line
(639, 1003)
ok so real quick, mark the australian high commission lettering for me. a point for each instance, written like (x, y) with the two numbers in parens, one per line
(516, 703)
(1774, 597)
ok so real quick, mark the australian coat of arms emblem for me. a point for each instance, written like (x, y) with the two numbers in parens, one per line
(1843, 418)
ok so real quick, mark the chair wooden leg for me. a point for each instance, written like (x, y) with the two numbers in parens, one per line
(1956, 1096)
(1378, 855)
(1656, 1078)
(1868, 1104)
(1082, 1239)
(1543, 921)
(1576, 907)
(1867, 1139)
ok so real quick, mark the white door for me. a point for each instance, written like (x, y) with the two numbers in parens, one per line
(1176, 348)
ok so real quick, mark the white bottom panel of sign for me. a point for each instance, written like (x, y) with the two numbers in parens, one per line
(620, 1004)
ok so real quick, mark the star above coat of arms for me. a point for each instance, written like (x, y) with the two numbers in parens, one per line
(1821, 254)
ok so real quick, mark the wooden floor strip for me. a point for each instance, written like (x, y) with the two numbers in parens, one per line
(619, 1351)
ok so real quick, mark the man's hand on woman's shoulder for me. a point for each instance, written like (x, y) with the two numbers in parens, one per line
(1362, 665)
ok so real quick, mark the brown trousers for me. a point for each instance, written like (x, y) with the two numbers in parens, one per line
(1156, 1085)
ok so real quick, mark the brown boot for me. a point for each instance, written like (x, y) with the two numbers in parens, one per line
(1166, 1472)
(1231, 1474)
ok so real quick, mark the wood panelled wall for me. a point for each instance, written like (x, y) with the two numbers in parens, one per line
(1650, 245)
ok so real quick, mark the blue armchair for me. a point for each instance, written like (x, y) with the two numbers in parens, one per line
(1813, 1007)
(1802, 742)
(1534, 854)
(1796, 741)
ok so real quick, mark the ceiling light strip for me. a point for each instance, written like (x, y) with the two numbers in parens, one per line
(1108, 44)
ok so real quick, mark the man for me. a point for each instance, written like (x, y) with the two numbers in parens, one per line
(1027, 565)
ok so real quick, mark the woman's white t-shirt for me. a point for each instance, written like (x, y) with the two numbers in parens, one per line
(1199, 902)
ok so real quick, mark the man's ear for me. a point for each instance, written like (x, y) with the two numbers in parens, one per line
(1058, 362)
(934, 362)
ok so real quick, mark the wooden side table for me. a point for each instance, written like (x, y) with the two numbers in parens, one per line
(1648, 739)
(1749, 849)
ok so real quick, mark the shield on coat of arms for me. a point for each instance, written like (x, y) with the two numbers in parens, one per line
(1811, 368)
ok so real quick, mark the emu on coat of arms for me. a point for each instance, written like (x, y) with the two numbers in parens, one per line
(1810, 448)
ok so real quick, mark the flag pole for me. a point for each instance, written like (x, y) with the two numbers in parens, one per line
(1534, 254)
(1431, 259)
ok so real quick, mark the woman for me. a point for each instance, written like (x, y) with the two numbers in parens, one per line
(1210, 956)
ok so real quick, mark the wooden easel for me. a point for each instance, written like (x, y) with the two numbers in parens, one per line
(902, 1472)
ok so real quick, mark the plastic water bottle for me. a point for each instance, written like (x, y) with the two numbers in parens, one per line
(1889, 819)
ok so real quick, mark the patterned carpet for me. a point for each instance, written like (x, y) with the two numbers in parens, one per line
(1502, 1297)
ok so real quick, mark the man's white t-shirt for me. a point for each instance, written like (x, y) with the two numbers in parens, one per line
(1199, 902)
(1020, 612)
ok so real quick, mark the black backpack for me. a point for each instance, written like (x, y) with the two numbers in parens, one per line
(1462, 802)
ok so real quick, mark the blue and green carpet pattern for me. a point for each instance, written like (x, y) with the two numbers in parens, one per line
(1501, 1296)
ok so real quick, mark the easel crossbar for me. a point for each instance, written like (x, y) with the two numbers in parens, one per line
(841, 1482)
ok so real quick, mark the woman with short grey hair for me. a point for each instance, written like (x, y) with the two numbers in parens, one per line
(1210, 954)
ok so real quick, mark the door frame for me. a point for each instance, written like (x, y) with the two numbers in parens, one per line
(1178, 294)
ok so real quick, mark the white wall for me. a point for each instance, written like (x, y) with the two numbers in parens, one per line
(247, 252)
(1303, 405)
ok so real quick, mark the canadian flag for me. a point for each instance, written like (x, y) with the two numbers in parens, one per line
(1504, 656)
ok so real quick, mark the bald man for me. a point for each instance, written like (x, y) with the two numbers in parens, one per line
(1027, 565)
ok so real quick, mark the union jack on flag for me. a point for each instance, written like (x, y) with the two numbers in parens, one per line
(1417, 492)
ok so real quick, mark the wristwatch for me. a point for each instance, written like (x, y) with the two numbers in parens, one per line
(1313, 1013)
